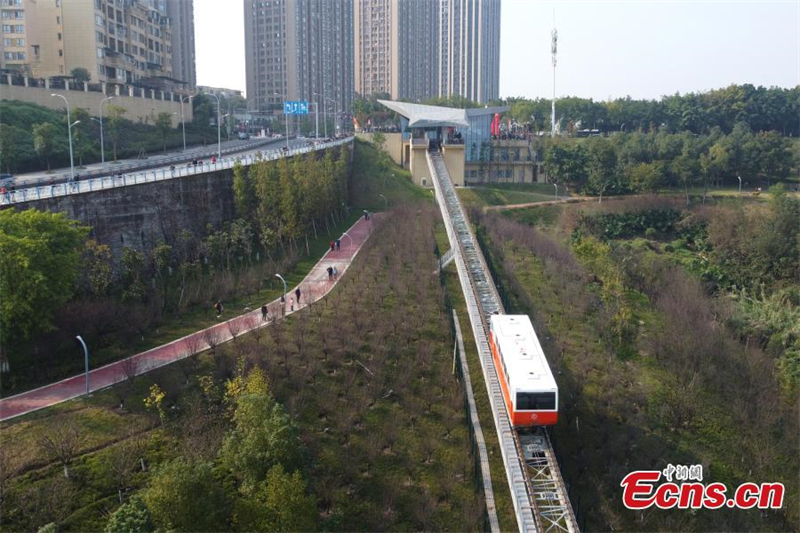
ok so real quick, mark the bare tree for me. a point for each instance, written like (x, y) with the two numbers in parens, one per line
(121, 462)
(234, 328)
(211, 337)
(60, 441)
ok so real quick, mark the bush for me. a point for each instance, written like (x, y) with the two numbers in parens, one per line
(131, 517)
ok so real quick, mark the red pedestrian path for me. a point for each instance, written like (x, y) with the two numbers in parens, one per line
(314, 286)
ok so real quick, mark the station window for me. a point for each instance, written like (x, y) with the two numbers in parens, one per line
(532, 401)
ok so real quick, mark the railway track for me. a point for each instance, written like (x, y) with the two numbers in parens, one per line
(540, 498)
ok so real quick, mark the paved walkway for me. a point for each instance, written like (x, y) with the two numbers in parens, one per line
(313, 287)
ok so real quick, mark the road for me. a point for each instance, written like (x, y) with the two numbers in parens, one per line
(314, 287)
(237, 147)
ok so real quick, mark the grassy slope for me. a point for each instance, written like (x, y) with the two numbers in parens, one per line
(492, 195)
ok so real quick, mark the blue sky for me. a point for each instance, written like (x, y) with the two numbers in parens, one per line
(644, 49)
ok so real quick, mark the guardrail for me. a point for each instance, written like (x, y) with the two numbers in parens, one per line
(43, 192)
(208, 152)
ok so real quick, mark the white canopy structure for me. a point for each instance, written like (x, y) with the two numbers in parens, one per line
(429, 116)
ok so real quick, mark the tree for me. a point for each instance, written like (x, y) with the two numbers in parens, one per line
(40, 257)
(379, 140)
(131, 274)
(164, 126)
(80, 74)
(60, 440)
(114, 124)
(263, 435)
(243, 191)
(16, 147)
(279, 503)
(131, 517)
(184, 496)
(602, 166)
(646, 177)
(97, 271)
(44, 140)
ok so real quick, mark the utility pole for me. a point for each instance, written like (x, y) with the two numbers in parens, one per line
(553, 51)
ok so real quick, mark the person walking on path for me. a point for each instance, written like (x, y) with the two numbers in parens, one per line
(291, 304)
(330, 273)
(218, 307)
(332, 245)
(297, 294)
(338, 244)
(335, 272)
(264, 313)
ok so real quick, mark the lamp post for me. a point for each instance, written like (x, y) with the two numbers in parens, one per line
(335, 112)
(556, 186)
(285, 116)
(85, 361)
(283, 300)
(349, 237)
(385, 201)
(740, 183)
(102, 138)
(69, 133)
(219, 138)
(183, 119)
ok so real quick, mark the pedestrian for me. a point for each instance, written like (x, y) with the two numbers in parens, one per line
(330, 273)
(297, 293)
(291, 304)
(335, 273)
(5, 194)
(264, 313)
(366, 215)
(332, 245)
(338, 244)
(218, 307)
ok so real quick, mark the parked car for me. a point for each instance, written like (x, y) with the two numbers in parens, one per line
(6, 180)
(244, 136)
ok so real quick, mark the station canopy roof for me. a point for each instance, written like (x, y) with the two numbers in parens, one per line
(431, 116)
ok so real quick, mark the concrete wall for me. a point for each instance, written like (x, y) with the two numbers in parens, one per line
(419, 166)
(393, 146)
(138, 109)
(453, 156)
(141, 216)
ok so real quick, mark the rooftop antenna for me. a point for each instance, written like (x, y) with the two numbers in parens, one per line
(554, 50)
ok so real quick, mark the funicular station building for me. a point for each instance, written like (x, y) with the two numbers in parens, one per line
(460, 135)
(464, 136)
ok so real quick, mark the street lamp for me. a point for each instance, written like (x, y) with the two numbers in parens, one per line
(219, 138)
(69, 132)
(102, 138)
(740, 183)
(183, 120)
(284, 286)
(85, 361)
(286, 116)
(349, 237)
(385, 201)
(335, 113)
(556, 186)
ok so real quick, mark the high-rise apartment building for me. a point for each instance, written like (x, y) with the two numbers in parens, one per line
(469, 36)
(181, 18)
(299, 50)
(396, 48)
(418, 49)
(116, 41)
(17, 33)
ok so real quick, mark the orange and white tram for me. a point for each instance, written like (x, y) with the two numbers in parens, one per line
(529, 389)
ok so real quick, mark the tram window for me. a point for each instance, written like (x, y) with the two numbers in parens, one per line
(532, 401)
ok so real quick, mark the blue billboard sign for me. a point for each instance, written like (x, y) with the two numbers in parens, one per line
(296, 108)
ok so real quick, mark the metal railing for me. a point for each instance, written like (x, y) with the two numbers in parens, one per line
(43, 192)
(540, 499)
